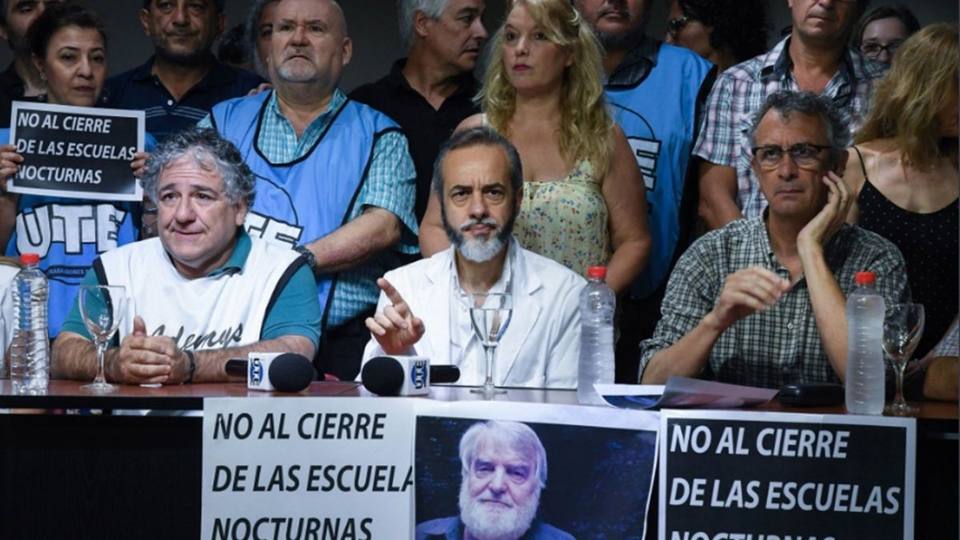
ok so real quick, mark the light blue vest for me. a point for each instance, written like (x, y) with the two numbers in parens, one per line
(658, 116)
(69, 234)
(310, 197)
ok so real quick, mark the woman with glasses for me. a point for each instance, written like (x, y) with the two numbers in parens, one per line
(68, 44)
(583, 200)
(880, 32)
(903, 171)
(725, 32)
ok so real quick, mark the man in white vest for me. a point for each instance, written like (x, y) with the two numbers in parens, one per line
(422, 310)
(202, 291)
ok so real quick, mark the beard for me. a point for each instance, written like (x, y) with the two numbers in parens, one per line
(477, 249)
(496, 524)
(620, 41)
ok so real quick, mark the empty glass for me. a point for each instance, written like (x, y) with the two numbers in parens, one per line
(902, 328)
(490, 314)
(102, 308)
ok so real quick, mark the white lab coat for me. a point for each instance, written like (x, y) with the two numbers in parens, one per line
(541, 346)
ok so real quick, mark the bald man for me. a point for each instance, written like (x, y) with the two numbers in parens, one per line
(335, 178)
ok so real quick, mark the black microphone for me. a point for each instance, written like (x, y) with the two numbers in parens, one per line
(404, 375)
(287, 372)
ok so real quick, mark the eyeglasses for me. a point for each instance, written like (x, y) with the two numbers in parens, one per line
(805, 155)
(872, 49)
(675, 25)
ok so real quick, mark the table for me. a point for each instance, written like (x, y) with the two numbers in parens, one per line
(113, 476)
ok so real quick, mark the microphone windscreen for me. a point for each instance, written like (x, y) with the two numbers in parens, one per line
(291, 372)
(443, 373)
(383, 376)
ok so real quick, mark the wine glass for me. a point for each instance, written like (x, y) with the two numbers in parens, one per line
(490, 314)
(102, 308)
(902, 329)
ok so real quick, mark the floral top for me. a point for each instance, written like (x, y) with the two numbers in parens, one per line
(566, 220)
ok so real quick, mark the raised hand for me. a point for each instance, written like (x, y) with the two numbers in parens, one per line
(395, 328)
(833, 214)
(10, 162)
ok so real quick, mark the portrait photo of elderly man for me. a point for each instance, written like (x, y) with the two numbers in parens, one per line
(503, 471)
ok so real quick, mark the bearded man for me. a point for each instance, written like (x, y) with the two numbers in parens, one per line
(423, 308)
(504, 469)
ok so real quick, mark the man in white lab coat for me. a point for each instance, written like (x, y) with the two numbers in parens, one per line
(424, 307)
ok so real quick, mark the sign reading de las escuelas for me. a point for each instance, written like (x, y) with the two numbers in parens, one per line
(774, 476)
(77, 152)
(334, 468)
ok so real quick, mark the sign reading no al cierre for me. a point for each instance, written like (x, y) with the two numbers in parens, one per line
(77, 152)
(728, 475)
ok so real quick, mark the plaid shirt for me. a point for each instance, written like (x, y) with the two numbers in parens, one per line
(781, 344)
(389, 185)
(741, 90)
(950, 343)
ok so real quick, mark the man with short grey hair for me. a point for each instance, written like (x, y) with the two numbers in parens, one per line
(814, 57)
(504, 469)
(202, 291)
(336, 178)
(761, 301)
(431, 90)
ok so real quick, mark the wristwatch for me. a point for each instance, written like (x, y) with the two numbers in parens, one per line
(308, 255)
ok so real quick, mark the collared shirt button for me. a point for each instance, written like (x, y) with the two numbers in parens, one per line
(170, 103)
(790, 326)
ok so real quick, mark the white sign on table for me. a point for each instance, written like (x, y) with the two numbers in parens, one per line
(333, 468)
(739, 475)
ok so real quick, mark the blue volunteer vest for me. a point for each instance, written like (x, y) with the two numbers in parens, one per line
(658, 116)
(310, 197)
(69, 234)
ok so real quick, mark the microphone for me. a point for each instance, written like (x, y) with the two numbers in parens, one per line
(283, 372)
(405, 375)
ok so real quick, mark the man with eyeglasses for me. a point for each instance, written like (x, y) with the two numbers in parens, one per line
(204, 290)
(761, 301)
(815, 58)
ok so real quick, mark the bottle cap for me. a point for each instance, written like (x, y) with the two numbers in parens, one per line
(865, 278)
(29, 258)
(597, 272)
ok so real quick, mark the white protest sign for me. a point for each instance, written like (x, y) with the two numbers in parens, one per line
(330, 468)
(749, 475)
(595, 482)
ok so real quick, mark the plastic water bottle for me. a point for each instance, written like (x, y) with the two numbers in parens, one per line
(865, 369)
(597, 304)
(30, 347)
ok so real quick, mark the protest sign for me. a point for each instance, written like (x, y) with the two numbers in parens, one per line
(595, 480)
(728, 475)
(332, 468)
(76, 152)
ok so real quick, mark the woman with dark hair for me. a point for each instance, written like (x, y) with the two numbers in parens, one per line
(69, 48)
(880, 32)
(725, 32)
(902, 171)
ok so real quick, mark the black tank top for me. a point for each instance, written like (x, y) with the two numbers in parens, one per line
(929, 244)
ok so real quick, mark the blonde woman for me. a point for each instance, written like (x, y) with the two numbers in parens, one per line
(903, 171)
(583, 196)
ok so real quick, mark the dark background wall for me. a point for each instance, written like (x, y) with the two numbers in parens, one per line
(373, 28)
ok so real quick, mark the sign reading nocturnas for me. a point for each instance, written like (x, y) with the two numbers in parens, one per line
(728, 475)
(331, 468)
(77, 152)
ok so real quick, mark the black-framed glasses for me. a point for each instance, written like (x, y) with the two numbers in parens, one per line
(805, 155)
(676, 25)
(873, 49)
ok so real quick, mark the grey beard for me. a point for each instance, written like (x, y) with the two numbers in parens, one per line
(500, 526)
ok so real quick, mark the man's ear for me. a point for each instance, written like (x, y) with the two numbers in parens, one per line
(347, 50)
(145, 21)
(420, 23)
(242, 210)
(4, 34)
